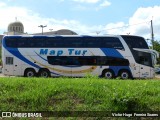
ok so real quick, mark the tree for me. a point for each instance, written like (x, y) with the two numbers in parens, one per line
(156, 46)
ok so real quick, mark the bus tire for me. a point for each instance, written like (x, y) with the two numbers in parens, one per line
(44, 73)
(29, 73)
(124, 74)
(109, 74)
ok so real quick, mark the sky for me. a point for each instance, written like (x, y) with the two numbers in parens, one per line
(85, 17)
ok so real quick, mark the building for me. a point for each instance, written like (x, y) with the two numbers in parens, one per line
(58, 32)
(17, 28)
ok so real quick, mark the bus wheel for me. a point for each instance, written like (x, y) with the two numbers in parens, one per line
(29, 73)
(109, 74)
(124, 74)
(44, 73)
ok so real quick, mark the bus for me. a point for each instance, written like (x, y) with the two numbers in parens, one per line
(109, 56)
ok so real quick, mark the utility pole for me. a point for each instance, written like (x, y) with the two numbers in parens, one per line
(42, 26)
(152, 34)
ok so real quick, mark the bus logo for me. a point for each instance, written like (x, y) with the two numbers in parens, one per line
(60, 52)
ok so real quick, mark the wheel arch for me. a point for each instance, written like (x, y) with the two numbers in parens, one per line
(125, 70)
(44, 69)
(30, 68)
(107, 69)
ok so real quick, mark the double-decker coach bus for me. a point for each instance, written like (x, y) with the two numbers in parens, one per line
(108, 56)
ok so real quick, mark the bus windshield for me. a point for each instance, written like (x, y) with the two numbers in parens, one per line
(135, 42)
(138, 45)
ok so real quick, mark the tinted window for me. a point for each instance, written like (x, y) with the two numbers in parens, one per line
(92, 42)
(73, 42)
(49, 42)
(57, 42)
(87, 60)
(142, 58)
(11, 42)
(71, 60)
(64, 42)
(21, 42)
(112, 61)
(135, 42)
(36, 42)
(30, 42)
(62, 60)
(9, 60)
(112, 42)
(139, 42)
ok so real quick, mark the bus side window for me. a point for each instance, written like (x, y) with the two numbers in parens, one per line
(11, 42)
(9, 60)
(21, 42)
(92, 42)
(112, 42)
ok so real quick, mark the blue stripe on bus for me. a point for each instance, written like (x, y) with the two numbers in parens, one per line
(114, 53)
(117, 68)
(111, 52)
(41, 56)
(16, 53)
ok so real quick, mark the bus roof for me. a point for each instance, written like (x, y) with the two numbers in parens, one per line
(108, 35)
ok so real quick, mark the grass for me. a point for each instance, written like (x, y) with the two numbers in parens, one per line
(38, 94)
(78, 94)
(0, 55)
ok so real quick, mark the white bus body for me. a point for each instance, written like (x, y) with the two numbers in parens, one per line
(77, 56)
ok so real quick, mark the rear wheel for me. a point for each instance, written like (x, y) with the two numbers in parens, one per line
(108, 74)
(44, 73)
(30, 73)
(124, 74)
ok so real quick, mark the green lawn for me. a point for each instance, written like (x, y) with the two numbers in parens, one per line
(78, 94)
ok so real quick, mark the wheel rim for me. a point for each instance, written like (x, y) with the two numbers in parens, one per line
(44, 74)
(30, 74)
(124, 75)
(108, 75)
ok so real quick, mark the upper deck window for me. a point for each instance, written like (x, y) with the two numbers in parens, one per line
(64, 42)
(11, 42)
(135, 42)
(112, 42)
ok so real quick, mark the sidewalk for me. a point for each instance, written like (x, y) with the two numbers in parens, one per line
(157, 76)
